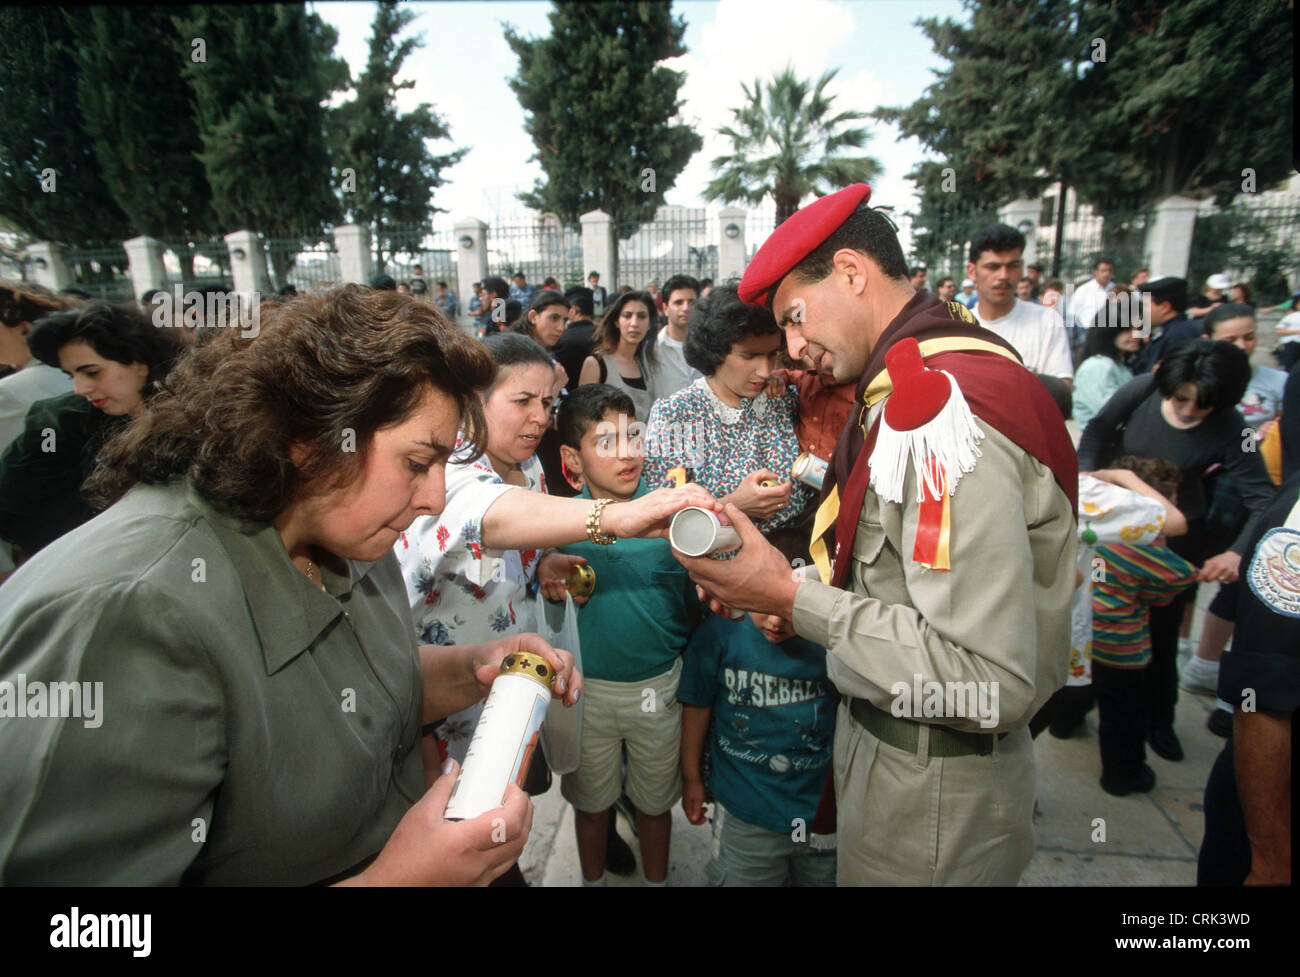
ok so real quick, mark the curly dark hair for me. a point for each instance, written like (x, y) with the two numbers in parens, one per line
(1163, 476)
(116, 331)
(318, 366)
(721, 321)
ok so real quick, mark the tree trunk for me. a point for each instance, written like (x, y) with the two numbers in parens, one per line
(786, 205)
(1060, 231)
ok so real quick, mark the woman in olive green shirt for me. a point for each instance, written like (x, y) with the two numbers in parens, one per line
(216, 680)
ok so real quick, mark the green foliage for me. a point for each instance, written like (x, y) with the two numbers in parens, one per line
(394, 171)
(1253, 243)
(1191, 94)
(786, 144)
(1000, 115)
(1132, 98)
(134, 101)
(599, 109)
(42, 129)
(259, 105)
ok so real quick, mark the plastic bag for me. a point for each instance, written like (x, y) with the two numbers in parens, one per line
(562, 729)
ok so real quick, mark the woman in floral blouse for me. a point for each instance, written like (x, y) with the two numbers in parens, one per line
(724, 430)
(468, 569)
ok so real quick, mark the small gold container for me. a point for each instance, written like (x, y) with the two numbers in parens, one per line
(530, 666)
(581, 581)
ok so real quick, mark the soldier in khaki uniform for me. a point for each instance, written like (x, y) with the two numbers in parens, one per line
(971, 586)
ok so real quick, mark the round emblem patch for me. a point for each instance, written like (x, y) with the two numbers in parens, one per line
(1274, 574)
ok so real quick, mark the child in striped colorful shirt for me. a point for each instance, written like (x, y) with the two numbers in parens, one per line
(1136, 578)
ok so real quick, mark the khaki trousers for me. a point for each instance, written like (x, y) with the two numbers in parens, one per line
(913, 819)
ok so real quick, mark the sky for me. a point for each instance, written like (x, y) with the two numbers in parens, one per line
(463, 68)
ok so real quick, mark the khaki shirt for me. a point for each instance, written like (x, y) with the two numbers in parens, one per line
(1000, 614)
(252, 728)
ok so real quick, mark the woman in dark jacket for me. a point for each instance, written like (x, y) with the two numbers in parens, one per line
(1185, 413)
(116, 358)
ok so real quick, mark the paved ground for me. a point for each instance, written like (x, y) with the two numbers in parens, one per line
(1150, 839)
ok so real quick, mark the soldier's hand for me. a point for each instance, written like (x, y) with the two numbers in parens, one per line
(757, 579)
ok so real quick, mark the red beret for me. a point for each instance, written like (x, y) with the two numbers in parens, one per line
(799, 236)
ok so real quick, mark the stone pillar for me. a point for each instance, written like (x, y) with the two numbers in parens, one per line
(471, 265)
(1169, 238)
(144, 257)
(731, 243)
(249, 271)
(353, 244)
(1023, 214)
(600, 251)
(48, 266)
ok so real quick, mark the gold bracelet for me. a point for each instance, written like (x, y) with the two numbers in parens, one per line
(593, 524)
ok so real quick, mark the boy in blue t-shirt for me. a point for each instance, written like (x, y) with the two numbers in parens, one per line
(773, 712)
(633, 629)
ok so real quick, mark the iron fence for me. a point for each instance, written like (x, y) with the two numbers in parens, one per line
(1116, 232)
(759, 225)
(101, 271)
(303, 261)
(1253, 242)
(541, 249)
(196, 265)
(432, 249)
(678, 241)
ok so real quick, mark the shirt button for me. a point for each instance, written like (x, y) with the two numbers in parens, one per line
(398, 755)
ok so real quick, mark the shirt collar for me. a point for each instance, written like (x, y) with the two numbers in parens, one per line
(288, 610)
(734, 415)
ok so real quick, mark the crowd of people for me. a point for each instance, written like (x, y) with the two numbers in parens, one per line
(296, 558)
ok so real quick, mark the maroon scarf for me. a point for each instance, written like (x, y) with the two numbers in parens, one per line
(1000, 393)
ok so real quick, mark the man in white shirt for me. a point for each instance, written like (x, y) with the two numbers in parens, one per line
(681, 293)
(1036, 331)
(1091, 295)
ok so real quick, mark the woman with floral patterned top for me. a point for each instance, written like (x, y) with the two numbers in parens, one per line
(724, 430)
(468, 569)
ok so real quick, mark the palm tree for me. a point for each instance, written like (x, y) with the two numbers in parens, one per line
(784, 143)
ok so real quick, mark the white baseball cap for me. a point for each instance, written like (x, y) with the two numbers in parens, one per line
(967, 283)
(1221, 282)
